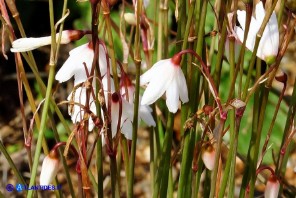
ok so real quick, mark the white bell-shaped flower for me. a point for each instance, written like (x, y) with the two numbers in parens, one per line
(269, 43)
(79, 58)
(144, 110)
(165, 76)
(49, 168)
(272, 187)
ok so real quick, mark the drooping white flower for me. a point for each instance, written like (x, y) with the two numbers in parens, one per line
(144, 110)
(269, 43)
(165, 76)
(49, 168)
(28, 44)
(127, 115)
(208, 156)
(79, 58)
(272, 187)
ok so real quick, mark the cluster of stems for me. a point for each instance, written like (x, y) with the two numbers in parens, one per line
(216, 109)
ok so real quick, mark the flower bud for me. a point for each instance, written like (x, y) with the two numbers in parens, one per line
(272, 187)
(28, 44)
(208, 156)
(130, 18)
(49, 168)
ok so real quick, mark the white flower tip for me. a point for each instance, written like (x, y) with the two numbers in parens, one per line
(208, 156)
(272, 187)
(49, 168)
(28, 44)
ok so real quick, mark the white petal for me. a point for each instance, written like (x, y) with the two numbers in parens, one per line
(149, 74)
(127, 129)
(114, 117)
(241, 17)
(260, 12)
(182, 86)
(27, 44)
(66, 71)
(127, 119)
(49, 170)
(146, 116)
(159, 83)
(272, 189)
(269, 42)
(172, 96)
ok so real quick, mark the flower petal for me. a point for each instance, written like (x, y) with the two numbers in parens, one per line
(145, 115)
(182, 86)
(172, 96)
(27, 44)
(159, 82)
(241, 17)
(260, 12)
(114, 117)
(149, 74)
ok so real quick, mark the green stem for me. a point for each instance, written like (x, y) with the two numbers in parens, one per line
(161, 183)
(187, 157)
(256, 112)
(136, 101)
(47, 100)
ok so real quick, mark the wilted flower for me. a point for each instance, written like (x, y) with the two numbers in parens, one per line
(269, 43)
(272, 187)
(165, 76)
(208, 156)
(49, 168)
(28, 44)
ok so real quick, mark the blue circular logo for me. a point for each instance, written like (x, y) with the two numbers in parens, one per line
(9, 187)
(19, 187)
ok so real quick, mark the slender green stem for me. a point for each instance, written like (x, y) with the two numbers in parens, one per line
(187, 157)
(256, 112)
(231, 155)
(47, 100)
(136, 101)
(161, 183)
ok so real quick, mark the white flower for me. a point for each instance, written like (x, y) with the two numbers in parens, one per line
(165, 76)
(79, 96)
(127, 115)
(76, 111)
(272, 188)
(27, 44)
(49, 168)
(144, 110)
(208, 156)
(74, 65)
(269, 43)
